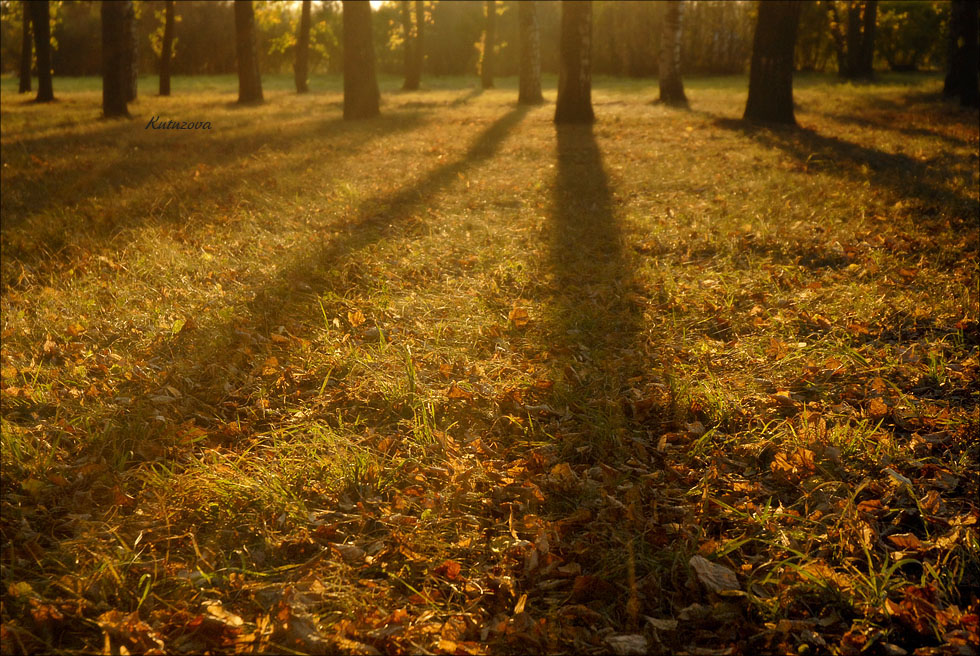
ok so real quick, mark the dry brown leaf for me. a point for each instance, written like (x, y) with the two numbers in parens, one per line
(715, 577)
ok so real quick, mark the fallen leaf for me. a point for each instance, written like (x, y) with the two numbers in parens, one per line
(519, 317)
(631, 644)
(450, 569)
(715, 577)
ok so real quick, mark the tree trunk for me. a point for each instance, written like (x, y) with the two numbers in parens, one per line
(132, 52)
(41, 23)
(166, 48)
(835, 32)
(419, 40)
(411, 43)
(575, 65)
(529, 92)
(771, 74)
(489, 39)
(964, 52)
(249, 80)
(361, 95)
(26, 51)
(115, 47)
(853, 39)
(301, 67)
(867, 54)
(671, 86)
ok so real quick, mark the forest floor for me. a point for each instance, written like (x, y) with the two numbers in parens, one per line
(454, 380)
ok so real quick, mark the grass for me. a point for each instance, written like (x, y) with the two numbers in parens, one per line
(456, 380)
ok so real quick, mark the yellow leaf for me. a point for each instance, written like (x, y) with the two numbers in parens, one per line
(519, 317)
(356, 318)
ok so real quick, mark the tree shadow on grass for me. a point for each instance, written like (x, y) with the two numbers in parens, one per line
(199, 363)
(42, 218)
(894, 122)
(900, 175)
(594, 322)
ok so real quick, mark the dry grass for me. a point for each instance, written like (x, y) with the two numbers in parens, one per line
(452, 380)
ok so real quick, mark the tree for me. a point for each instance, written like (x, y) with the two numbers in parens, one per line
(26, 51)
(361, 95)
(167, 48)
(855, 46)
(413, 72)
(575, 65)
(961, 77)
(529, 92)
(771, 73)
(41, 23)
(302, 65)
(131, 61)
(669, 75)
(419, 50)
(115, 48)
(489, 38)
(249, 80)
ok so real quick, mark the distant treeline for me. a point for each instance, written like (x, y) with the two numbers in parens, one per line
(717, 36)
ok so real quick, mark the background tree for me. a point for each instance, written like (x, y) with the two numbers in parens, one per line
(301, 67)
(529, 91)
(669, 76)
(413, 72)
(166, 47)
(771, 73)
(26, 51)
(961, 79)
(131, 61)
(361, 94)
(854, 40)
(115, 51)
(41, 24)
(419, 49)
(249, 80)
(574, 65)
(489, 39)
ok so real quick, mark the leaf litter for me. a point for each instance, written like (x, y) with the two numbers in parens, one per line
(728, 437)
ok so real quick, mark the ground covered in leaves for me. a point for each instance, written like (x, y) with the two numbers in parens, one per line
(454, 380)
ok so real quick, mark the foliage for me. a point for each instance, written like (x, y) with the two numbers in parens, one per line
(907, 34)
(452, 381)
(717, 36)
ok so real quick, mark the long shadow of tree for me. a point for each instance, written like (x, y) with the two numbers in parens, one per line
(200, 364)
(595, 322)
(170, 189)
(900, 175)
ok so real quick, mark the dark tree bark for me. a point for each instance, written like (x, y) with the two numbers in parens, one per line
(771, 73)
(361, 95)
(249, 80)
(41, 23)
(115, 50)
(854, 41)
(412, 73)
(132, 52)
(26, 50)
(835, 32)
(669, 75)
(166, 48)
(529, 91)
(575, 63)
(489, 42)
(964, 53)
(853, 52)
(419, 39)
(301, 67)
(867, 45)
